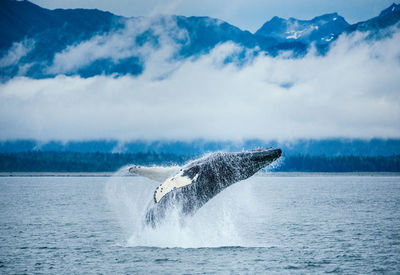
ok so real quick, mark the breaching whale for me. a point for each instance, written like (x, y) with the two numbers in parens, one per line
(188, 188)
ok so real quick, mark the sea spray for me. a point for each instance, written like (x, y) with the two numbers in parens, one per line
(214, 225)
(273, 166)
(129, 197)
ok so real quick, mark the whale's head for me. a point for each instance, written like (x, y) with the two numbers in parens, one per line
(265, 156)
(255, 160)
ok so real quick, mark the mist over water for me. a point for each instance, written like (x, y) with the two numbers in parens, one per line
(216, 224)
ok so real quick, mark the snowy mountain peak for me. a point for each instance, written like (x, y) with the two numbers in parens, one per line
(320, 29)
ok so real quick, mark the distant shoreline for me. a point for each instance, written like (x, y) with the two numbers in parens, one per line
(56, 174)
(268, 174)
(105, 164)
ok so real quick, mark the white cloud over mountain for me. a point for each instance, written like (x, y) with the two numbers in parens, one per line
(353, 91)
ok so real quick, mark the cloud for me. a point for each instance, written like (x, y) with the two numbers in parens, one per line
(353, 91)
(16, 52)
(119, 44)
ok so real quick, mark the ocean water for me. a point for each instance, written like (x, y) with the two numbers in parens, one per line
(267, 224)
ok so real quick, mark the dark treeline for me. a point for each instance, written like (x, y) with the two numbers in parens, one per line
(339, 164)
(81, 162)
(109, 162)
(326, 147)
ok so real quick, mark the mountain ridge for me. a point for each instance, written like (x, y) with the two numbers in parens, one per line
(34, 37)
(388, 17)
(320, 29)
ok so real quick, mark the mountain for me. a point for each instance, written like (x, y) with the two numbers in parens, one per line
(40, 43)
(46, 32)
(36, 35)
(20, 19)
(321, 29)
(390, 10)
(387, 18)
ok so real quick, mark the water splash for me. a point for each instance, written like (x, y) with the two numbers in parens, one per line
(214, 225)
(274, 166)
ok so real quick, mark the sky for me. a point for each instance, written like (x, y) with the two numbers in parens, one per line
(247, 15)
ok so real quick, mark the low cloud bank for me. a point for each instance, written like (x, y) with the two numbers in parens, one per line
(16, 52)
(353, 91)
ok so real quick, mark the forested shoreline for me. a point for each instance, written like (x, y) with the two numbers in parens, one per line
(110, 162)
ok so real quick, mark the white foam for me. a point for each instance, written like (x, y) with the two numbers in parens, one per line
(216, 224)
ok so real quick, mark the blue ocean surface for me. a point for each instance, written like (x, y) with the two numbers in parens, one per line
(300, 224)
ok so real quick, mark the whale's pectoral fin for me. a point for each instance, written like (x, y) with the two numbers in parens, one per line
(178, 181)
(156, 173)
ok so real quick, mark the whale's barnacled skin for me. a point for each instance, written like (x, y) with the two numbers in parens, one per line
(202, 179)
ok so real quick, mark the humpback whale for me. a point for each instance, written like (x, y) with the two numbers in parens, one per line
(188, 188)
